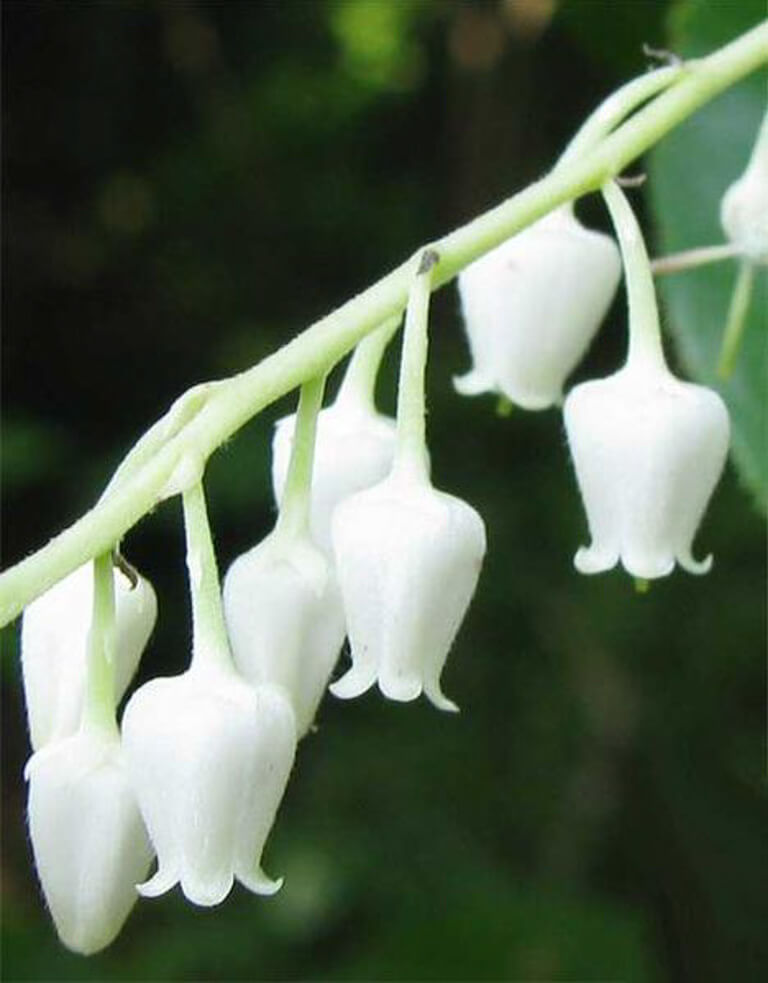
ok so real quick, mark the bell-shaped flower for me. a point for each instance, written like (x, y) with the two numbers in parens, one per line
(354, 449)
(54, 641)
(408, 559)
(209, 756)
(532, 306)
(648, 451)
(88, 838)
(285, 619)
(744, 208)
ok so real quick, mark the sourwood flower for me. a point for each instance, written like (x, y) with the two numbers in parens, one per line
(285, 619)
(648, 450)
(54, 642)
(88, 838)
(209, 756)
(532, 306)
(408, 559)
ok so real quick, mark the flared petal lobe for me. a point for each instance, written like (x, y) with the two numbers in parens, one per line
(532, 306)
(408, 559)
(648, 450)
(209, 756)
(354, 449)
(54, 642)
(285, 620)
(89, 841)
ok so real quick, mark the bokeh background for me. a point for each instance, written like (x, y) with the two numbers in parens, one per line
(185, 187)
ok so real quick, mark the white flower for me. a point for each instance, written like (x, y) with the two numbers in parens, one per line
(285, 619)
(744, 208)
(648, 450)
(88, 838)
(408, 559)
(532, 305)
(54, 642)
(209, 756)
(354, 449)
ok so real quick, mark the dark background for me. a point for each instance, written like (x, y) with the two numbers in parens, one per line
(185, 187)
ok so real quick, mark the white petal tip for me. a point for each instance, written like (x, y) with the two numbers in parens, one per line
(352, 684)
(647, 569)
(589, 560)
(437, 699)
(403, 689)
(697, 567)
(158, 884)
(472, 384)
(260, 883)
(206, 894)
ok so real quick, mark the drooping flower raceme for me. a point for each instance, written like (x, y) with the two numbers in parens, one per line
(54, 640)
(209, 756)
(408, 559)
(648, 449)
(354, 443)
(532, 305)
(88, 838)
(744, 208)
(285, 620)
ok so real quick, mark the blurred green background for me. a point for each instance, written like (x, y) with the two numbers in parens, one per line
(188, 185)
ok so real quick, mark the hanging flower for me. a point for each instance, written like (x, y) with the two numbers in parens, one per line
(648, 451)
(54, 640)
(88, 838)
(209, 757)
(744, 208)
(408, 559)
(532, 306)
(285, 619)
(354, 449)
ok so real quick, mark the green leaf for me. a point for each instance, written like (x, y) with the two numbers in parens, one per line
(690, 171)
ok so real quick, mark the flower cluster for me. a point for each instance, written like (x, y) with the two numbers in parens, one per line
(364, 547)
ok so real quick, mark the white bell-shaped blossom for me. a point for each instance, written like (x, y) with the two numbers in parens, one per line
(209, 756)
(54, 641)
(285, 619)
(354, 449)
(744, 208)
(88, 838)
(408, 559)
(648, 450)
(532, 306)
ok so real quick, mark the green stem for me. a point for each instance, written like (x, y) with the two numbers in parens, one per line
(209, 634)
(644, 330)
(238, 399)
(412, 457)
(737, 317)
(691, 259)
(294, 507)
(617, 107)
(359, 383)
(99, 699)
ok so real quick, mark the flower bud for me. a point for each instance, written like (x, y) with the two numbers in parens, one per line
(209, 757)
(532, 305)
(354, 449)
(88, 838)
(408, 559)
(744, 208)
(285, 620)
(648, 450)
(54, 641)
